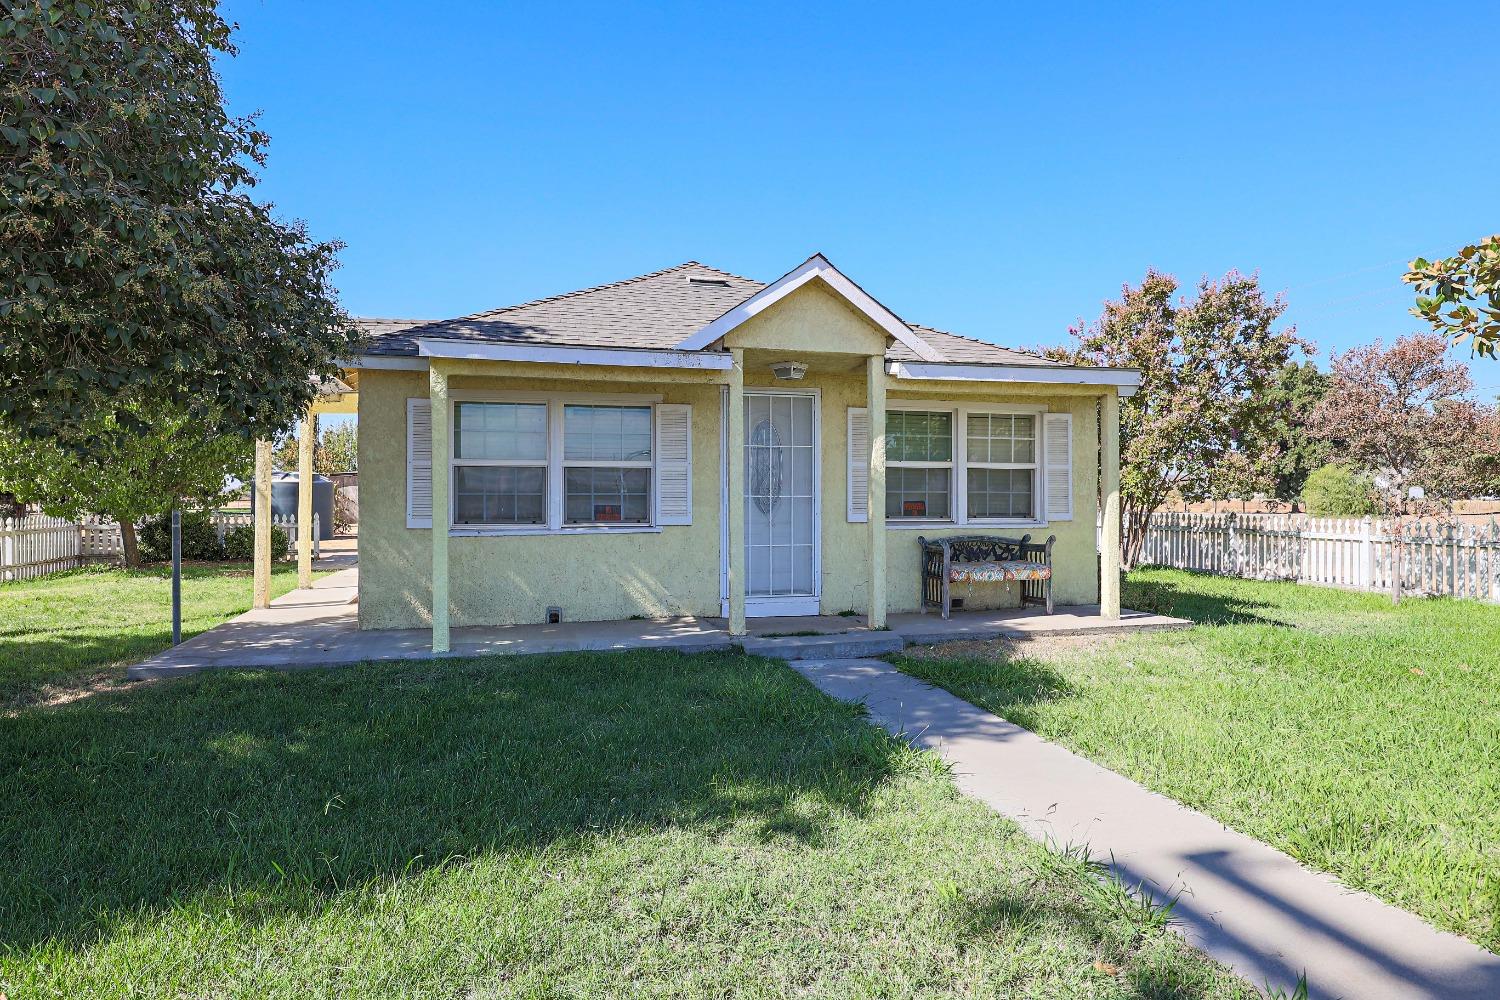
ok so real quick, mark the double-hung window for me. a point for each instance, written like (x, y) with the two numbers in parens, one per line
(962, 465)
(606, 464)
(919, 465)
(567, 463)
(1001, 466)
(500, 463)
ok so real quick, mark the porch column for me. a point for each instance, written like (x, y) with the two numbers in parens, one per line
(442, 461)
(305, 435)
(1109, 547)
(875, 403)
(262, 503)
(736, 471)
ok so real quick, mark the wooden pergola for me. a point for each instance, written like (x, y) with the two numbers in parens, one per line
(335, 395)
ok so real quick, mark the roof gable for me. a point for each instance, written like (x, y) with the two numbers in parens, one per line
(815, 268)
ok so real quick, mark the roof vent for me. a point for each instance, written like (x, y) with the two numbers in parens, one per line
(716, 282)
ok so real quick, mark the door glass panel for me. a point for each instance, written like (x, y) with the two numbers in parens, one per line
(780, 495)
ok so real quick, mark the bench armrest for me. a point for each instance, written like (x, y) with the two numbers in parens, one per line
(1039, 551)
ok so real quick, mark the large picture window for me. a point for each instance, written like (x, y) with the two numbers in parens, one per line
(919, 465)
(606, 464)
(500, 463)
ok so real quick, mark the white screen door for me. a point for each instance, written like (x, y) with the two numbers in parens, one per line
(781, 504)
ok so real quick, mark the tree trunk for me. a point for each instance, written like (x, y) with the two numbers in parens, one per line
(1398, 562)
(1135, 537)
(128, 546)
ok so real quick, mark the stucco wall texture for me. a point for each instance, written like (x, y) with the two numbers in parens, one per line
(674, 571)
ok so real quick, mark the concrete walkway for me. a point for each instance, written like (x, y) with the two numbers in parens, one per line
(320, 627)
(1246, 904)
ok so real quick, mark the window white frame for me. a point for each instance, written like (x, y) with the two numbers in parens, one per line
(959, 482)
(555, 524)
(577, 463)
(951, 465)
(1034, 466)
(457, 463)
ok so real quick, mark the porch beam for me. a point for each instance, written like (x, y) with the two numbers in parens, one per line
(908, 390)
(1126, 380)
(1109, 549)
(549, 354)
(736, 471)
(262, 503)
(875, 404)
(305, 436)
(442, 462)
(573, 374)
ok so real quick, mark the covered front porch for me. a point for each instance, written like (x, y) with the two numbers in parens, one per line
(318, 626)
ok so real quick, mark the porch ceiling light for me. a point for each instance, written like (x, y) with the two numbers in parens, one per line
(790, 370)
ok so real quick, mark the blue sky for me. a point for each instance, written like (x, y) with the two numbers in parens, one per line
(994, 171)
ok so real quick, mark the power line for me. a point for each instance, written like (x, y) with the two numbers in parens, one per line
(1349, 274)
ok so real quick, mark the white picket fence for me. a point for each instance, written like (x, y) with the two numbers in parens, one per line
(1455, 560)
(36, 545)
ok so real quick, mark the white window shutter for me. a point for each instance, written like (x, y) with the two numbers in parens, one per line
(859, 464)
(1057, 452)
(418, 463)
(674, 463)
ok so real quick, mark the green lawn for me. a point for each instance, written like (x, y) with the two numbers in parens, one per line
(1360, 738)
(587, 825)
(64, 628)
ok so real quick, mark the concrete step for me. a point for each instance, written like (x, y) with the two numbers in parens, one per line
(835, 646)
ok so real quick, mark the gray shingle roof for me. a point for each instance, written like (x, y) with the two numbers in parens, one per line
(653, 311)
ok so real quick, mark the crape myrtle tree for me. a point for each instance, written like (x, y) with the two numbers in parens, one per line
(1206, 363)
(137, 276)
(1295, 452)
(124, 475)
(1402, 415)
(1459, 296)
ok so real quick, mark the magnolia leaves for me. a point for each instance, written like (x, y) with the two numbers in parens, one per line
(1459, 297)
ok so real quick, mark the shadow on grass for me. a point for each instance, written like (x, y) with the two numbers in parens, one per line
(1096, 910)
(1166, 598)
(70, 625)
(293, 787)
(32, 668)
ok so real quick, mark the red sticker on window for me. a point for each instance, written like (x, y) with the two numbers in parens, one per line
(606, 512)
(914, 508)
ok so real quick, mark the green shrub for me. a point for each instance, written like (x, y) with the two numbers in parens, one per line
(1337, 491)
(239, 543)
(199, 540)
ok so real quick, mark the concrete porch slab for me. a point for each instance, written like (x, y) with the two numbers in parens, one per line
(827, 646)
(320, 627)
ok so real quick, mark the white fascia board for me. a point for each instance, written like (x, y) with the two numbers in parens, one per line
(549, 355)
(816, 266)
(1126, 380)
(386, 363)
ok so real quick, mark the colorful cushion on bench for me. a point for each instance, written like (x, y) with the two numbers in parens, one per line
(998, 572)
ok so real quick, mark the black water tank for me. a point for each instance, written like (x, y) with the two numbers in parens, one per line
(284, 500)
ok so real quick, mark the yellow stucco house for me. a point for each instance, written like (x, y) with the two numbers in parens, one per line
(692, 442)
